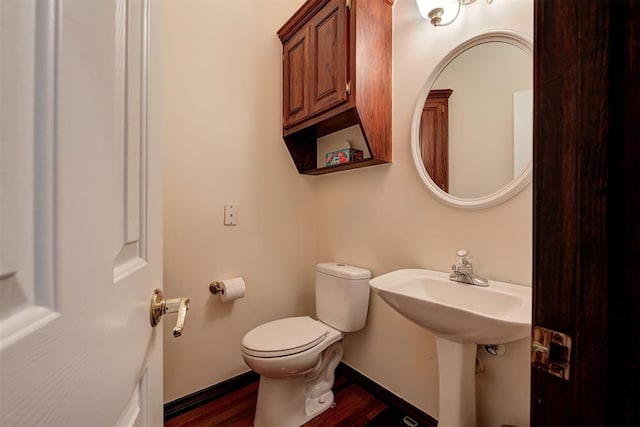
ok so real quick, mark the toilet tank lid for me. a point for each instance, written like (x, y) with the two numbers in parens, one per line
(343, 271)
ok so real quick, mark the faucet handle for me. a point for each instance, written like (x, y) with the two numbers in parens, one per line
(462, 258)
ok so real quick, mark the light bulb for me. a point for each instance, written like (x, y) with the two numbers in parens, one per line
(439, 12)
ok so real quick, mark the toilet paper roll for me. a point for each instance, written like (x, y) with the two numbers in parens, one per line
(232, 289)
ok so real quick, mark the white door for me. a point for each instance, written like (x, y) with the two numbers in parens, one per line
(80, 212)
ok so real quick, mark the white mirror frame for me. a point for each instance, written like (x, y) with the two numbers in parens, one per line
(514, 186)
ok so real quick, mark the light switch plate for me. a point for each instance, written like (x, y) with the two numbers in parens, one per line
(230, 215)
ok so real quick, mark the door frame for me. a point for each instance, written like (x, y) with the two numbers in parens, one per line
(586, 192)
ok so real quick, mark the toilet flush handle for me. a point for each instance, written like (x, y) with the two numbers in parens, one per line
(160, 306)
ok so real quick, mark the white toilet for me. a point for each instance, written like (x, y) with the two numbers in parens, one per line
(296, 357)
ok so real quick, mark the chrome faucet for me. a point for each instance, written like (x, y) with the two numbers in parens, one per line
(462, 271)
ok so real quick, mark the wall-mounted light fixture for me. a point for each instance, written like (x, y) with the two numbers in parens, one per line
(442, 12)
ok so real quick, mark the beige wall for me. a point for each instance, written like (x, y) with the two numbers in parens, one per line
(388, 220)
(484, 79)
(224, 146)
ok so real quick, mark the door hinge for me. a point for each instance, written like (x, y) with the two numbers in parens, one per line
(551, 352)
(348, 4)
(347, 89)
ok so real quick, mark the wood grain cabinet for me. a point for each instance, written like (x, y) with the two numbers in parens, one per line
(434, 136)
(337, 74)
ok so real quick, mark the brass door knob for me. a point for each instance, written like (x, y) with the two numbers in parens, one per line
(160, 306)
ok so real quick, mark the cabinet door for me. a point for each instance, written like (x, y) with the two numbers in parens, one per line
(434, 135)
(329, 56)
(296, 78)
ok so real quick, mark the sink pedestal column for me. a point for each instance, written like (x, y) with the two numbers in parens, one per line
(457, 391)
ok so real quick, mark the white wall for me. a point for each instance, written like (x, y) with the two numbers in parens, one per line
(388, 220)
(224, 145)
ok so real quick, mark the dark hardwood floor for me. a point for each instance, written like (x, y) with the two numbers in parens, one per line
(354, 406)
(359, 401)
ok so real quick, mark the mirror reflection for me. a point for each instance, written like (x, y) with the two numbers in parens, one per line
(476, 124)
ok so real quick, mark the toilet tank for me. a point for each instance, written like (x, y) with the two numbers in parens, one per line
(342, 295)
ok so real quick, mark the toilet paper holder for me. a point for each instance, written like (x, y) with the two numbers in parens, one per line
(215, 287)
(229, 289)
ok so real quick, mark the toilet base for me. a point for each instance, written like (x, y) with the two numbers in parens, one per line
(292, 401)
(282, 402)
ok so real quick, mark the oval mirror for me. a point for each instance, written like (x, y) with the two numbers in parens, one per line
(473, 123)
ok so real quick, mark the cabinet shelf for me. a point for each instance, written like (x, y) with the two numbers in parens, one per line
(345, 166)
(337, 74)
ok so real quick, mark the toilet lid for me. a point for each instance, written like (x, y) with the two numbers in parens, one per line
(284, 336)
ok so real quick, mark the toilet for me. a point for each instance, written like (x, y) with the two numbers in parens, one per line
(296, 357)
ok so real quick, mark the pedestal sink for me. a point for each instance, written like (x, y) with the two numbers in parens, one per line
(460, 316)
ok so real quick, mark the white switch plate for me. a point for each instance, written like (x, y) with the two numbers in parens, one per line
(230, 214)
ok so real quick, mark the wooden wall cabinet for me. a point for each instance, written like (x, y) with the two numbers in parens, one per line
(336, 74)
(434, 136)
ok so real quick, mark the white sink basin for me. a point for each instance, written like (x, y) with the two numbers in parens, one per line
(455, 311)
(460, 316)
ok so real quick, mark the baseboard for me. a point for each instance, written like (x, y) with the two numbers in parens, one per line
(385, 395)
(184, 404)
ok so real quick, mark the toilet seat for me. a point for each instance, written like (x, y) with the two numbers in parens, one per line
(284, 337)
